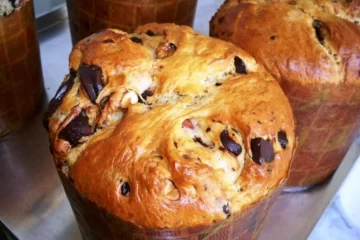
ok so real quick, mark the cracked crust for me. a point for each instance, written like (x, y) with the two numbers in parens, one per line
(312, 47)
(174, 127)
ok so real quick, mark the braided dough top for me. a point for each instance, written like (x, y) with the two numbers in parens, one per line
(308, 41)
(167, 128)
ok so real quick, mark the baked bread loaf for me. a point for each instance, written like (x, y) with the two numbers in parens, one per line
(21, 82)
(313, 49)
(166, 128)
(90, 16)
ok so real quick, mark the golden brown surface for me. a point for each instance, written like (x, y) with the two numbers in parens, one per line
(163, 161)
(96, 223)
(315, 56)
(21, 84)
(89, 16)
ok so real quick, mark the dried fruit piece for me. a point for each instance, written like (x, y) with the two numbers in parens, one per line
(262, 150)
(56, 101)
(229, 143)
(76, 129)
(165, 49)
(92, 80)
(187, 124)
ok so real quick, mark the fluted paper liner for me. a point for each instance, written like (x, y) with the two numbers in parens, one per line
(96, 223)
(89, 16)
(21, 84)
(328, 119)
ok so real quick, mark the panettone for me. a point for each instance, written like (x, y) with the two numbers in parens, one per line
(313, 49)
(21, 81)
(166, 128)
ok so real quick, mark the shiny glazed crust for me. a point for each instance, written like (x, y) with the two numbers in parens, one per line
(313, 49)
(175, 127)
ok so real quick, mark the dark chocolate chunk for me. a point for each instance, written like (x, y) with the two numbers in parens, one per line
(226, 209)
(272, 38)
(137, 40)
(208, 129)
(108, 41)
(76, 129)
(150, 33)
(320, 30)
(175, 144)
(92, 80)
(218, 84)
(56, 101)
(282, 139)
(125, 189)
(199, 140)
(229, 143)
(262, 151)
(146, 93)
(239, 65)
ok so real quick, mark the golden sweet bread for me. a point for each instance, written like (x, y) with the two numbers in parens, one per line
(167, 128)
(312, 47)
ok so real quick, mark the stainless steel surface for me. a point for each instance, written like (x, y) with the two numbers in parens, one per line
(32, 201)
